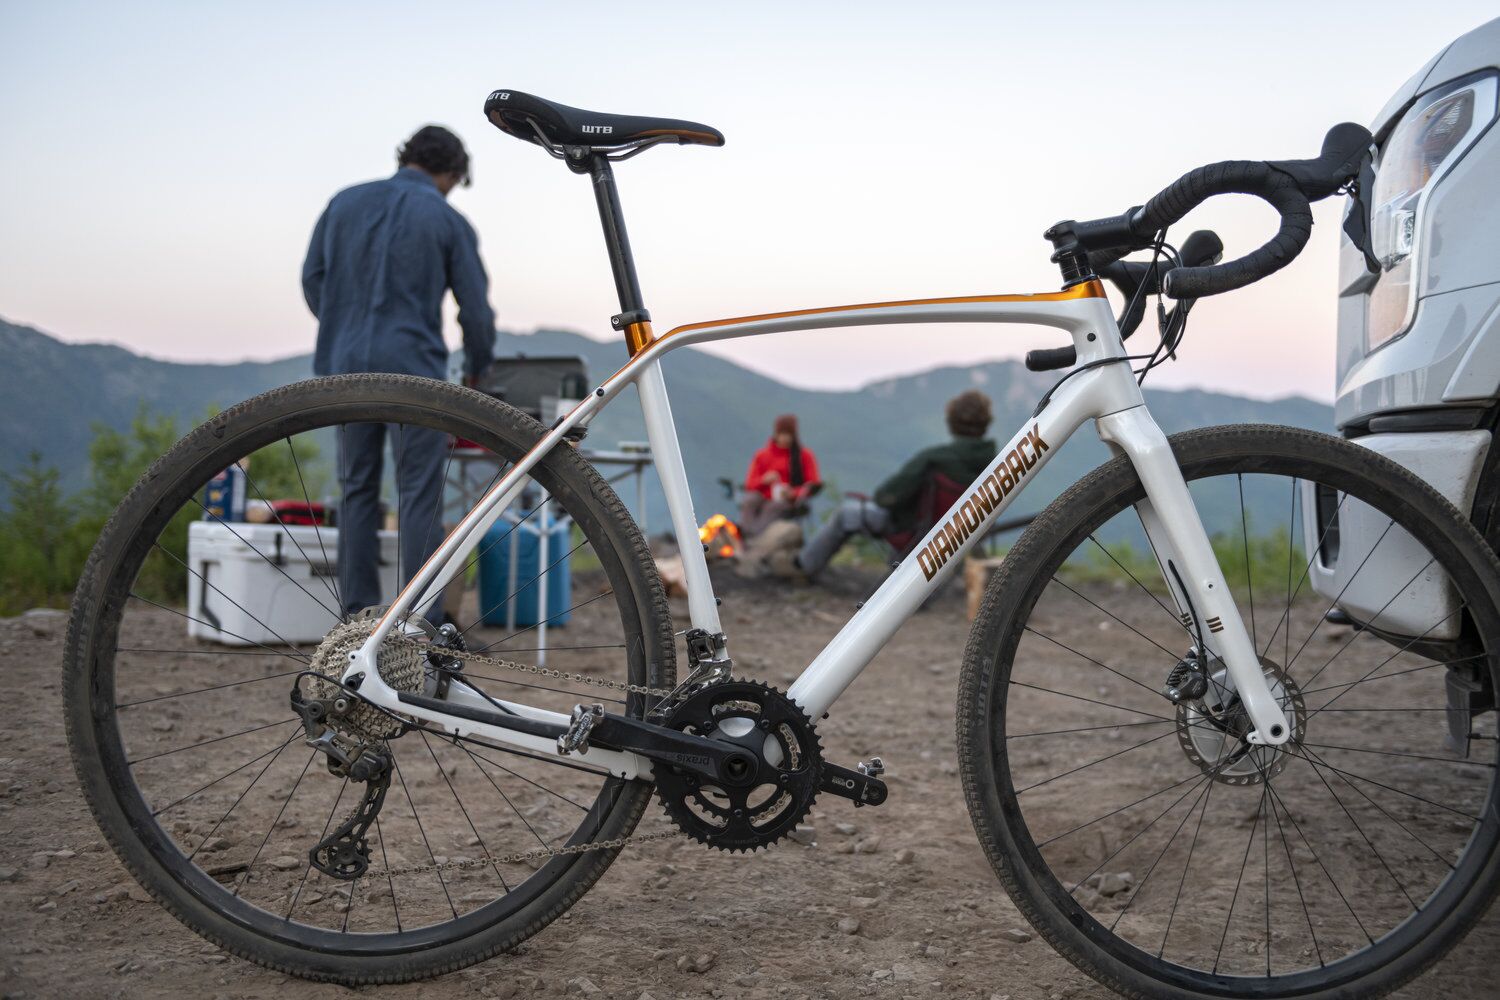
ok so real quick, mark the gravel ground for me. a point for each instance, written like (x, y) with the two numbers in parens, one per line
(890, 902)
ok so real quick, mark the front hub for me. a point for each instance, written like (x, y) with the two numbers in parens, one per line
(1212, 728)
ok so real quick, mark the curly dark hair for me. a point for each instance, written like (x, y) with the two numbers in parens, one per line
(968, 414)
(437, 151)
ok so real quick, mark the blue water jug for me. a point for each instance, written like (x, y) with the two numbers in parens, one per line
(514, 540)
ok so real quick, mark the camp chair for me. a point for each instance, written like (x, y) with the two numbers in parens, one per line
(939, 493)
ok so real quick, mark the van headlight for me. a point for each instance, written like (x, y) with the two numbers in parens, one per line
(1431, 137)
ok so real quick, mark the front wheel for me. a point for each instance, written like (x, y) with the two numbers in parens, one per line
(1140, 833)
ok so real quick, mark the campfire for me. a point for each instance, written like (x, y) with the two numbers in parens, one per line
(720, 537)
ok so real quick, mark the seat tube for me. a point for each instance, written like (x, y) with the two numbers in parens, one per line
(703, 608)
(1176, 518)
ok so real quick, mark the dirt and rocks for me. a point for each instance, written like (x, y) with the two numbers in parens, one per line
(891, 902)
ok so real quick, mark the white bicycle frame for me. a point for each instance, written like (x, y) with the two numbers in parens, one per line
(1102, 389)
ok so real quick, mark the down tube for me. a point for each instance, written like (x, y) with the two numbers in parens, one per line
(905, 589)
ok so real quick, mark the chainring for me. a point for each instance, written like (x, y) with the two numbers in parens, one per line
(768, 805)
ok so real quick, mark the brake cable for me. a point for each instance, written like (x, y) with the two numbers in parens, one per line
(1157, 247)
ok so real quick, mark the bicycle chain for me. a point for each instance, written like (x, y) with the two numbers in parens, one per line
(537, 853)
(536, 671)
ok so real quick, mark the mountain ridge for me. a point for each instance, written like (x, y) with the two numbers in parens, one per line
(52, 393)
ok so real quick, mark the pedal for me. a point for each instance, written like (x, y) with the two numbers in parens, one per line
(576, 739)
(862, 787)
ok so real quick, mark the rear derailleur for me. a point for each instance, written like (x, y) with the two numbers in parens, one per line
(344, 853)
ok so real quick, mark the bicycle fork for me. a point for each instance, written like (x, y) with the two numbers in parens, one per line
(1190, 567)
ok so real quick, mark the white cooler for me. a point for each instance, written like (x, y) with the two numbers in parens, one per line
(264, 583)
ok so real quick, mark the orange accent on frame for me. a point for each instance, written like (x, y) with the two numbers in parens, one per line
(1086, 290)
(638, 337)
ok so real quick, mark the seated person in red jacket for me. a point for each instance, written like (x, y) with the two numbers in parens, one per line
(782, 476)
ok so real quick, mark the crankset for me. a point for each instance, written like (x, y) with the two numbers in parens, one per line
(772, 773)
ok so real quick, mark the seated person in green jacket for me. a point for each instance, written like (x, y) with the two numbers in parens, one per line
(894, 507)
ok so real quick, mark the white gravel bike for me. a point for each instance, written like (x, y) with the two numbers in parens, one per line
(1195, 776)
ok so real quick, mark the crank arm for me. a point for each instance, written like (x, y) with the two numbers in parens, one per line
(710, 760)
(862, 788)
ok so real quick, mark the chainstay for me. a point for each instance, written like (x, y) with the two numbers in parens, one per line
(520, 857)
(539, 853)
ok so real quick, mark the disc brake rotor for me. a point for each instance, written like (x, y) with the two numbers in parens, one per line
(762, 807)
(1211, 730)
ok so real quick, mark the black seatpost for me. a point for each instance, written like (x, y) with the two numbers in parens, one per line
(633, 317)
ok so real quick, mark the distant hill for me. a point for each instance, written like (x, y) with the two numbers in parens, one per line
(51, 393)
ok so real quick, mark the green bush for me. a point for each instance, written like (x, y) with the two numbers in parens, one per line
(43, 548)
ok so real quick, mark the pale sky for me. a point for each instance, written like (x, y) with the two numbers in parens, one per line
(163, 163)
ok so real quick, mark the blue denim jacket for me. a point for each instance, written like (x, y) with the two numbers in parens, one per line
(382, 256)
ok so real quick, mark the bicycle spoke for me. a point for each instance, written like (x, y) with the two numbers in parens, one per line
(1086, 729)
(385, 862)
(1192, 848)
(215, 739)
(566, 611)
(287, 531)
(1219, 956)
(1285, 618)
(237, 605)
(241, 883)
(1326, 874)
(1363, 836)
(1399, 591)
(522, 777)
(333, 584)
(299, 658)
(1101, 760)
(1375, 669)
(211, 687)
(235, 804)
(1317, 761)
(1396, 753)
(1292, 865)
(268, 560)
(529, 583)
(201, 788)
(461, 808)
(297, 894)
(423, 831)
(501, 792)
(1177, 621)
(1136, 894)
(1318, 623)
(1111, 614)
(1097, 663)
(1384, 677)
(1203, 779)
(203, 652)
(1091, 701)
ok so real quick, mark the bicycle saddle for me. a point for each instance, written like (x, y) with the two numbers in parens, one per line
(524, 115)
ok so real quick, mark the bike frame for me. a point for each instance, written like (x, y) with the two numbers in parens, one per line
(1102, 389)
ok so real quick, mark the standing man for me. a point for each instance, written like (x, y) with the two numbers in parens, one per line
(382, 257)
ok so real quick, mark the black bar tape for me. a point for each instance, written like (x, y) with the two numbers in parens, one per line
(1233, 177)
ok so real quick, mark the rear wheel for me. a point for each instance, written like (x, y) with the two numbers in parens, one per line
(1145, 839)
(195, 765)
